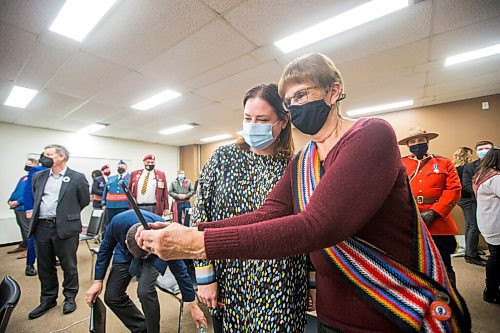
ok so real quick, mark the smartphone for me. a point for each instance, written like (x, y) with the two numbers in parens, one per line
(132, 203)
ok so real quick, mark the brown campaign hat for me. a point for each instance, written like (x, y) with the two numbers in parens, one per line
(416, 132)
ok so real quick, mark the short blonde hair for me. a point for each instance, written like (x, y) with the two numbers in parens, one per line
(316, 68)
(462, 156)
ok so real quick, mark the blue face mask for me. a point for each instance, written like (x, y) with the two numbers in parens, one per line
(419, 150)
(258, 136)
(482, 153)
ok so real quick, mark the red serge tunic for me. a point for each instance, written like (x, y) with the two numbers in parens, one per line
(362, 193)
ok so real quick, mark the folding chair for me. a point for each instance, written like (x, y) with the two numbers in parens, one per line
(168, 284)
(93, 233)
(9, 297)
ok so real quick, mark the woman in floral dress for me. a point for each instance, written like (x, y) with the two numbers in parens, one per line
(251, 295)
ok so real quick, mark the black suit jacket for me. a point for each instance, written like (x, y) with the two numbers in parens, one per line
(73, 197)
(469, 172)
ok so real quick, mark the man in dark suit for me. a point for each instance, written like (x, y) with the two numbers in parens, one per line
(59, 196)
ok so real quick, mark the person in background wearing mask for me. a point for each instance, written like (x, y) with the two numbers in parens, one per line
(16, 202)
(149, 187)
(114, 200)
(435, 184)
(59, 194)
(28, 206)
(253, 295)
(472, 254)
(98, 184)
(181, 190)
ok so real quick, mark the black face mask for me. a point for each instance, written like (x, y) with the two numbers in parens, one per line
(121, 170)
(150, 167)
(46, 161)
(419, 150)
(310, 117)
(27, 167)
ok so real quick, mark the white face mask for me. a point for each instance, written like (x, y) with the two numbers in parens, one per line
(258, 136)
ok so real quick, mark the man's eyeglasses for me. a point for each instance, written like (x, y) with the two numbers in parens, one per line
(300, 97)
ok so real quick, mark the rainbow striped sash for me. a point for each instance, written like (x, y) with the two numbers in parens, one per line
(417, 299)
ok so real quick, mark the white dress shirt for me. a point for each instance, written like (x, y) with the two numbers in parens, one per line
(150, 196)
(48, 206)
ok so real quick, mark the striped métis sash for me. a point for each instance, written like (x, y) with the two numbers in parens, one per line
(417, 299)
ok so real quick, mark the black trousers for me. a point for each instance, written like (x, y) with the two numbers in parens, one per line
(447, 245)
(493, 271)
(48, 246)
(472, 232)
(325, 328)
(119, 302)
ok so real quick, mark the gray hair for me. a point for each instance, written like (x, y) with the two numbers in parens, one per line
(60, 150)
(132, 245)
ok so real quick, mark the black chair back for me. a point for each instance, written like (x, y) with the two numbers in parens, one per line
(10, 293)
(95, 223)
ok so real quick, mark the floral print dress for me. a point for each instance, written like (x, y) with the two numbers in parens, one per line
(259, 295)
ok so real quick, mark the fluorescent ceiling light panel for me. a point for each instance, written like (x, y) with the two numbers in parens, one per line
(216, 138)
(340, 23)
(176, 129)
(473, 55)
(78, 17)
(379, 108)
(20, 97)
(240, 133)
(91, 128)
(155, 100)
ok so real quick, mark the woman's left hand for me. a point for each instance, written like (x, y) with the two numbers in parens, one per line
(311, 300)
(172, 242)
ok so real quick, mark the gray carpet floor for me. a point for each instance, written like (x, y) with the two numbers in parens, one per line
(485, 316)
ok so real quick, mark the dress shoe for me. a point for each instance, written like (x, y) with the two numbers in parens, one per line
(23, 255)
(475, 260)
(488, 297)
(69, 305)
(41, 309)
(16, 250)
(30, 270)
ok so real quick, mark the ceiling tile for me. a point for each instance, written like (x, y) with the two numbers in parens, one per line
(52, 103)
(238, 84)
(43, 63)
(206, 49)
(265, 22)
(84, 75)
(469, 38)
(15, 47)
(452, 14)
(138, 31)
(221, 6)
(31, 15)
(221, 72)
(93, 112)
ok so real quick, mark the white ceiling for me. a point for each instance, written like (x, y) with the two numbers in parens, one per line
(213, 51)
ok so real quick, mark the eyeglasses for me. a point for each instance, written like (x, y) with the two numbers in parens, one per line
(300, 97)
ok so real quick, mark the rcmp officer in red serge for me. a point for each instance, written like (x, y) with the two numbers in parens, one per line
(149, 187)
(436, 187)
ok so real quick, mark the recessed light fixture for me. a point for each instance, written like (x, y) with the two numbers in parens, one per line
(77, 17)
(379, 108)
(155, 100)
(240, 133)
(217, 138)
(340, 23)
(473, 55)
(20, 97)
(176, 129)
(92, 128)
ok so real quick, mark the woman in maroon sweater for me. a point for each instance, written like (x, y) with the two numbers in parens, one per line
(363, 194)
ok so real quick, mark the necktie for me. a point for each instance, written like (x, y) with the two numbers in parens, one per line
(145, 184)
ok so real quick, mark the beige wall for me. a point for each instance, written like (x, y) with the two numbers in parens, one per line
(189, 161)
(460, 123)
